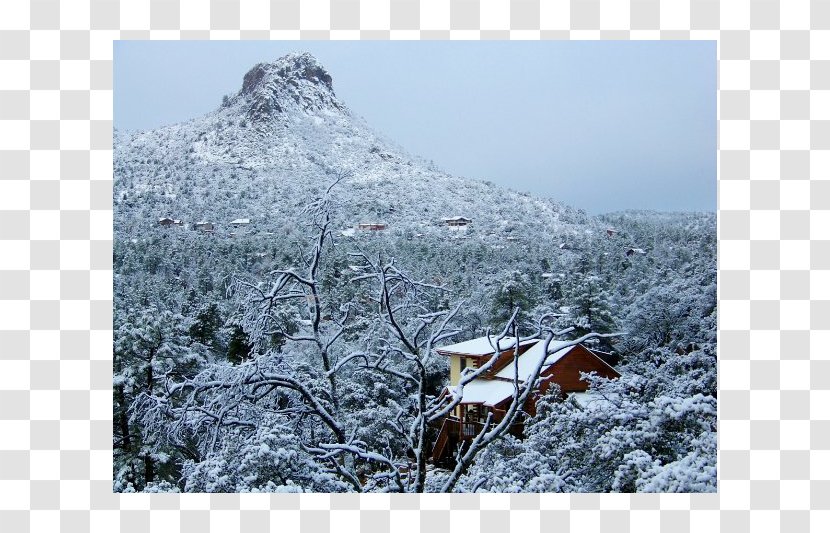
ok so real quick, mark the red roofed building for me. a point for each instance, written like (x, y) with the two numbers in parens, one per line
(492, 392)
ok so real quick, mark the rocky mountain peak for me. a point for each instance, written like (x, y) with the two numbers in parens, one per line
(296, 80)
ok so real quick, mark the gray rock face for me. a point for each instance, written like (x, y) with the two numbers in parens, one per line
(295, 80)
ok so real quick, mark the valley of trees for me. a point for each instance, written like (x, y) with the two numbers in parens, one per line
(304, 361)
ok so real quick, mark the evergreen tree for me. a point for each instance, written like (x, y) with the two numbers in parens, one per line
(148, 345)
(511, 290)
(239, 347)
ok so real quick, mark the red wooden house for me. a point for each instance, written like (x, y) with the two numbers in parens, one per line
(493, 391)
(167, 222)
(371, 226)
(456, 222)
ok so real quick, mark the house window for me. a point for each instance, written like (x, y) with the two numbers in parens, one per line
(463, 363)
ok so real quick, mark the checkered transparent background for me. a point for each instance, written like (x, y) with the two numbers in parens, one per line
(56, 267)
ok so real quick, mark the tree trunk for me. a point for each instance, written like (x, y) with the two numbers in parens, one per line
(422, 452)
(123, 420)
(149, 469)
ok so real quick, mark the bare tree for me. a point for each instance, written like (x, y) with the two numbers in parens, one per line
(413, 340)
(259, 304)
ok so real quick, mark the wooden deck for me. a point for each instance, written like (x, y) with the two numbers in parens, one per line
(455, 431)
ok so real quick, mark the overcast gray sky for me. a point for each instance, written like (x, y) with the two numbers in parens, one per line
(599, 125)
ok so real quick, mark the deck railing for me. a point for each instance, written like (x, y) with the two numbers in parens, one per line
(454, 430)
(462, 428)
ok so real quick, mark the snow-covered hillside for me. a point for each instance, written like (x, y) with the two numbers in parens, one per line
(277, 142)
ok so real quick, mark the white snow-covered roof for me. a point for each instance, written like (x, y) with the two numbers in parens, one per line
(449, 219)
(529, 360)
(487, 392)
(481, 346)
(241, 221)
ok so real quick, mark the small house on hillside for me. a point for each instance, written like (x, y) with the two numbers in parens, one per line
(492, 392)
(240, 226)
(611, 232)
(633, 251)
(456, 222)
(204, 226)
(167, 222)
(371, 226)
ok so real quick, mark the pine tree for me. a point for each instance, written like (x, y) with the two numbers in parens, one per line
(239, 347)
(150, 344)
(511, 290)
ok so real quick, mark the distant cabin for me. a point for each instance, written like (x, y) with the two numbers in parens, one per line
(611, 232)
(240, 222)
(492, 392)
(371, 226)
(456, 222)
(632, 251)
(167, 222)
(204, 226)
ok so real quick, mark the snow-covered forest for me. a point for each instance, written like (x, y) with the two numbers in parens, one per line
(296, 352)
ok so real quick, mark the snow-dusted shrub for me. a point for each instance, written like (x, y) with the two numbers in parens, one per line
(271, 460)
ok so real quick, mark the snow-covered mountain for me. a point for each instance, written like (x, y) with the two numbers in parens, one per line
(277, 142)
